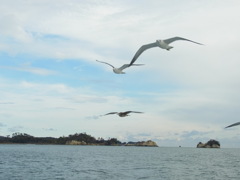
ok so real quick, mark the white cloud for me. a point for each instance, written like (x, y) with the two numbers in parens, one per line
(11, 27)
(33, 70)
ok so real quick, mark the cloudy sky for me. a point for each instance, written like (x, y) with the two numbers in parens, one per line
(51, 85)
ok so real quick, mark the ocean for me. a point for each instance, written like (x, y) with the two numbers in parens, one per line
(69, 162)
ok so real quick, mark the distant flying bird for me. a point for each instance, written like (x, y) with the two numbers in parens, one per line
(164, 44)
(122, 114)
(120, 70)
(235, 124)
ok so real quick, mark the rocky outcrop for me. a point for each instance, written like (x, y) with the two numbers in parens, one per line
(74, 142)
(148, 143)
(210, 144)
(201, 145)
(140, 143)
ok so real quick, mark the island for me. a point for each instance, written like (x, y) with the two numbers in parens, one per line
(73, 139)
(148, 143)
(210, 144)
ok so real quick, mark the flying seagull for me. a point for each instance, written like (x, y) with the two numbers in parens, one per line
(164, 44)
(235, 124)
(120, 70)
(122, 114)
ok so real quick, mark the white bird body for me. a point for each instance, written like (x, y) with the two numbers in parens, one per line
(120, 69)
(164, 44)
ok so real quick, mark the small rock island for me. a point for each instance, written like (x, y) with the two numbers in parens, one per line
(210, 144)
(148, 143)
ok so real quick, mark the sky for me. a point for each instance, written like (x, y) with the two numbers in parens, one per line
(51, 84)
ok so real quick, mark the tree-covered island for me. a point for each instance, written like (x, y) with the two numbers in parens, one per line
(75, 139)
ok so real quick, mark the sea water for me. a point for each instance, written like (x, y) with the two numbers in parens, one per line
(66, 162)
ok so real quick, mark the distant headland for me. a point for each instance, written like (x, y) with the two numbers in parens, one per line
(75, 139)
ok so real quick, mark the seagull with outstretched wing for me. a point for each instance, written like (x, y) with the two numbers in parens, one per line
(119, 70)
(164, 44)
(122, 114)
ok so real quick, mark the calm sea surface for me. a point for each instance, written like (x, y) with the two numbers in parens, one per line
(108, 162)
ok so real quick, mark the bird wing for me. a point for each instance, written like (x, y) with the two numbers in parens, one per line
(127, 112)
(127, 65)
(105, 63)
(110, 113)
(170, 40)
(141, 50)
(123, 67)
(235, 124)
(136, 112)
